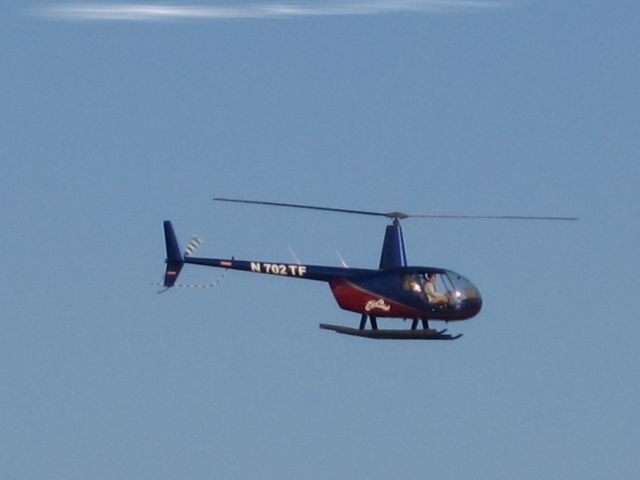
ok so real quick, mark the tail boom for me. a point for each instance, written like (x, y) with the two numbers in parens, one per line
(309, 272)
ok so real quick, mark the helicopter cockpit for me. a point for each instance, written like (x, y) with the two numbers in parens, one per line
(442, 290)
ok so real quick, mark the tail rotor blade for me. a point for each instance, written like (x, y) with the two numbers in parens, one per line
(192, 246)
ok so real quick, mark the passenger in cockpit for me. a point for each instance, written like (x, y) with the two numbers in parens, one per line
(412, 283)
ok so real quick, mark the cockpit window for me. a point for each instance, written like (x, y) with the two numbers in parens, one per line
(412, 283)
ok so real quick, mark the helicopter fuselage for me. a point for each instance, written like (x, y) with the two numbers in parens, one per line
(399, 292)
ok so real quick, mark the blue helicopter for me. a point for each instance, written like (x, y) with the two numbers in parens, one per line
(393, 290)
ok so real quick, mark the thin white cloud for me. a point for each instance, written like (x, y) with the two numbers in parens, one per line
(168, 12)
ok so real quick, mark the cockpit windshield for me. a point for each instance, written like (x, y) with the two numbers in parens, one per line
(442, 289)
(459, 287)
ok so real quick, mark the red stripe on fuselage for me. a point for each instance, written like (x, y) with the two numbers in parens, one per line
(356, 299)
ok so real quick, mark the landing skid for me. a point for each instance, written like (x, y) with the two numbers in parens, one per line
(425, 334)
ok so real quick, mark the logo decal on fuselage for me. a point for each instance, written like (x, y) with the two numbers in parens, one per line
(377, 304)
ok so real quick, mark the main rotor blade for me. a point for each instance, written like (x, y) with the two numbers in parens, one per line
(308, 207)
(491, 217)
(394, 215)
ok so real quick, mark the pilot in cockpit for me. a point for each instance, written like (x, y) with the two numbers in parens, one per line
(433, 296)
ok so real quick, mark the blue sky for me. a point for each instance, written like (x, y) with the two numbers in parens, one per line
(110, 126)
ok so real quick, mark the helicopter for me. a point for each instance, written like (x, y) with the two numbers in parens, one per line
(393, 290)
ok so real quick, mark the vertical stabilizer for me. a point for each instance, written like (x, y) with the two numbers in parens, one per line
(174, 259)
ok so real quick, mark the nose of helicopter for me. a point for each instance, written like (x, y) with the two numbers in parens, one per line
(470, 306)
(475, 304)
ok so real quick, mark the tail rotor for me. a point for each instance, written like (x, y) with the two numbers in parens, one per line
(175, 260)
(192, 246)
